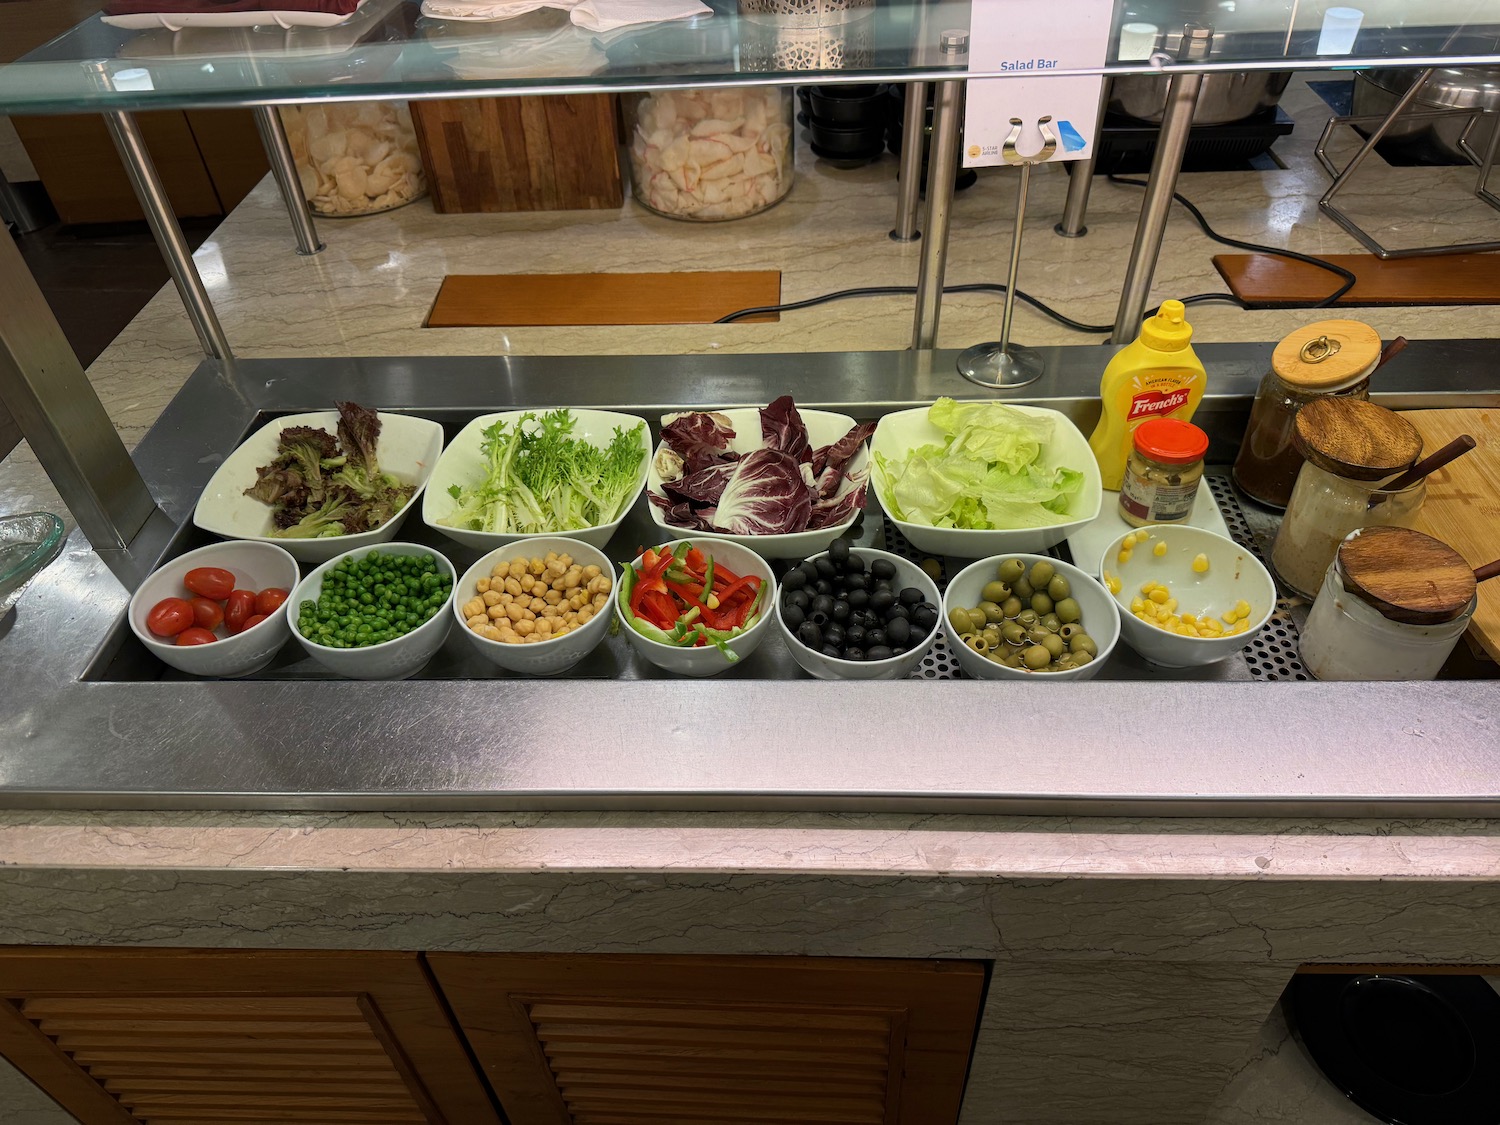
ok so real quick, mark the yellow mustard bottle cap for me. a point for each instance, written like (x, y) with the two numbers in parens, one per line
(1168, 330)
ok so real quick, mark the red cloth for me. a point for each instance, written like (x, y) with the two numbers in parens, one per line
(177, 7)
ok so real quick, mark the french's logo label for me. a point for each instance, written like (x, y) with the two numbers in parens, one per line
(1150, 403)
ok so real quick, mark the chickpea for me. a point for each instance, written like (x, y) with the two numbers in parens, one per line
(544, 627)
(473, 606)
(525, 628)
(552, 597)
(591, 572)
(561, 629)
(514, 612)
(517, 568)
(490, 633)
(600, 601)
(528, 615)
(534, 566)
(495, 612)
(482, 585)
(584, 614)
(500, 570)
(572, 578)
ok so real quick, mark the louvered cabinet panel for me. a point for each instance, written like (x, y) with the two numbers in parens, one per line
(159, 1037)
(604, 1040)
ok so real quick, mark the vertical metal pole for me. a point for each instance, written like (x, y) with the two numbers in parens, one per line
(284, 168)
(44, 388)
(1081, 178)
(1171, 143)
(942, 170)
(1015, 258)
(913, 142)
(152, 195)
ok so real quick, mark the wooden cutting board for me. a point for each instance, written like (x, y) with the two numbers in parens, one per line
(1267, 281)
(512, 300)
(1463, 503)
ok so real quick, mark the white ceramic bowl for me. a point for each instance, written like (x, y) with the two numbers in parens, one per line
(899, 433)
(408, 449)
(1096, 611)
(389, 660)
(823, 428)
(897, 667)
(255, 566)
(707, 660)
(544, 658)
(462, 463)
(1233, 573)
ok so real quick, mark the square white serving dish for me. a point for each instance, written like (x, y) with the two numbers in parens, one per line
(176, 21)
(408, 449)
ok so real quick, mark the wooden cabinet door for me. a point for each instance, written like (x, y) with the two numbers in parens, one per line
(632, 1040)
(166, 1037)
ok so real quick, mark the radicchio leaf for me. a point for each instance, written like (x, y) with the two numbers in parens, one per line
(703, 487)
(782, 429)
(682, 514)
(699, 438)
(842, 506)
(837, 455)
(765, 496)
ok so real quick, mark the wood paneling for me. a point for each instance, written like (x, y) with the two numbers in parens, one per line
(509, 300)
(163, 1037)
(1266, 281)
(555, 153)
(230, 146)
(600, 1040)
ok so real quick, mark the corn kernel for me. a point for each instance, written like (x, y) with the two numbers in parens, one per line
(1200, 564)
(1231, 617)
(1160, 550)
(1123, 557)
(1171, 604)
(1189, 619)
(1137, 606)
(1211, 627)
(1242, 608)
(1240, 626)
(1158, 595)
(1112, 582)
(1147, 587)
(1130, 541)
(1186, 631)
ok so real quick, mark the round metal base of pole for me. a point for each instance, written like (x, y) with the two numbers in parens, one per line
(309, 253)
(989, 366)
(1062, 229)
(896, 236)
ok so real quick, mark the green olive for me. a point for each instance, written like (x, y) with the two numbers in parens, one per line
(1064, 662)
(1069, 631)
(1022, 589)
(1058, 588)
(1011, 660)
(1036, 657)
(993, 633)
(995, 592)
(1082, 658)
(933, 569)
(1013, 633)
(1010, 570)
(959, 619)
(1050, 622)
(990, 611)
(1041, 603)
(1041, 574)
(1038, 635)
(1053, 644)
(1028, 618)
(1067, 611)
(1012, 606)
(1083, 644)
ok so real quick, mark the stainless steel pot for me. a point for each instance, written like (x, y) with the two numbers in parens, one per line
(1227, 95)
(1477, 88)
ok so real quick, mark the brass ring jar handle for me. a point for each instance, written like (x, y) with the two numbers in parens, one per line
(1319, 349)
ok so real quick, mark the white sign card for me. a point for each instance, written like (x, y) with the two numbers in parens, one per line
(1028, 39)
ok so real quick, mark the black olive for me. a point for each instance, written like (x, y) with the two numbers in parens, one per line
(854, 635)
(911, 596)
(875, 637)
(826, 569)
(794, 579)
(895, 611)
(882, 600)
(854, 654)
(833, 634)
(924, 617)
(854, 565)
(809, 571)
(818, 619)
(898, 631)
(831, 650)
(858, 599)
(793, 616)
(840, 610)
(838, 551)
(799, 598)
(823, 603)
(883, 568)
(870, 619)
(900, 650)
(878, 652)
(888, 584)
(852, 582)
(810, 635)
(822, 586)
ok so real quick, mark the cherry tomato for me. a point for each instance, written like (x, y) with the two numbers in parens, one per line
(196, 636)
(241, 604)
(209, 582)
(169, 617)
(207, 613)
(252, 622)
(269, 600)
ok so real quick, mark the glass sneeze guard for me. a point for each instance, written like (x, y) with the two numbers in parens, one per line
(390, 49)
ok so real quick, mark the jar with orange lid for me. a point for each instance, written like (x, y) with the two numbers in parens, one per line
(1163, 472)
(1329, 358)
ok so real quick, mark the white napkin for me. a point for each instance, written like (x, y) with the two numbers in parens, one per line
(591, 15)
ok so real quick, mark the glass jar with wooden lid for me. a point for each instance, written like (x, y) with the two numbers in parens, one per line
(1331, 357)
(1392, 606)
(1353, 453)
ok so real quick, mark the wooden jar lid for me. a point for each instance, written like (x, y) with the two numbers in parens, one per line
(1327, 356)
(1407, 576)
(1356, 439)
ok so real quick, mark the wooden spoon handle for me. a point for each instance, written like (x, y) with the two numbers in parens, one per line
(1392, 350)
(1487, 571)
(1432, 463)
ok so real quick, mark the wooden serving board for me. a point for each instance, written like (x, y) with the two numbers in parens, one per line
(513, 300)
(1266, 281)
(1463, 503)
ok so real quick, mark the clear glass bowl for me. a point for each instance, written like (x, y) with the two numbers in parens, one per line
(28, 542)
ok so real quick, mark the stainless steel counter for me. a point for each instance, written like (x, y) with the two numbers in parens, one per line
(86, 723)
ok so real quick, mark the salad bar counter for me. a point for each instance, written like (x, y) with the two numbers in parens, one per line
(102, 718)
